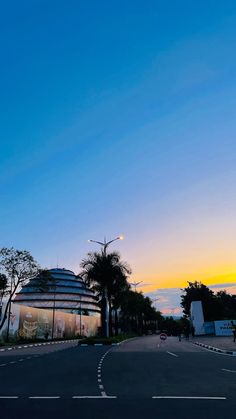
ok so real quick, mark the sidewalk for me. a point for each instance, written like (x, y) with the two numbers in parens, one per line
(223, 343)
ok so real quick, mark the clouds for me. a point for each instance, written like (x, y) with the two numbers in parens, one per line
(224, 285)
(168, 300)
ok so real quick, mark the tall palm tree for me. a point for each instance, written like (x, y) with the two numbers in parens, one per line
(107, 275)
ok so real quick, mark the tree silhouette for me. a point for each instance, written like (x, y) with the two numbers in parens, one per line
(18, 266)
(107, 276)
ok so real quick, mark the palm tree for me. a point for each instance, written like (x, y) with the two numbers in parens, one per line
(107, 275)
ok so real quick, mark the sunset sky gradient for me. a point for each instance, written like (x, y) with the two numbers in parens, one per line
(119, 118)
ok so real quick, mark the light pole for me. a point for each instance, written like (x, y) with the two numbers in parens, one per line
(53, 313)
(104, 246)
(80, 315)
(135, 284)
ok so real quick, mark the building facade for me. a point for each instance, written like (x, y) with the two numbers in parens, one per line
(66, 292)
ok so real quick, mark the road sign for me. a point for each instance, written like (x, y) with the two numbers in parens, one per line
(163, 336)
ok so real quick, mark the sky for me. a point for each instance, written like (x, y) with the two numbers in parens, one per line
(119, 118)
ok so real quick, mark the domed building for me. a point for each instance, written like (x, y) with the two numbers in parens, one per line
(64, 292)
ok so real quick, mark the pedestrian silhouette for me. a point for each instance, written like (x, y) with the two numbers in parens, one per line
(234, 330)
(193, 331)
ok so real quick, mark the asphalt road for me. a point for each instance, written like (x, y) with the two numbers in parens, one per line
(171, 380)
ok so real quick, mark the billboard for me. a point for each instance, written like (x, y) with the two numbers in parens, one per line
(33, 323)
(224, 327)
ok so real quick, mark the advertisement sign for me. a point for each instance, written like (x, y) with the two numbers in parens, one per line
(224, 327)
(33, 323)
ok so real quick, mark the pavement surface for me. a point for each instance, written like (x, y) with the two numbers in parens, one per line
(143, 376)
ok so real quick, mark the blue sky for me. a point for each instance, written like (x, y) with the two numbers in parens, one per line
(119, 117)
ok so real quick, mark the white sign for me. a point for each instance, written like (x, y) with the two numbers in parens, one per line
(224, 327)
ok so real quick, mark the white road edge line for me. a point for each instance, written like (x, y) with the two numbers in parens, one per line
(189, 397)
(171, 353)
(224, 369)
(9, 397)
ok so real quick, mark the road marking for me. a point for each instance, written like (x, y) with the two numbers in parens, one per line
(101, 386)
(12, 362)
(170, 353)
(20, 360)
(99, 380)
(44, 397)
(224, 369)
(94, 397)
(2, 365)
(9, 397)
(189, 397)
(2, 350)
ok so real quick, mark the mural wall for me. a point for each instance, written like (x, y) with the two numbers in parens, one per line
(33, 323)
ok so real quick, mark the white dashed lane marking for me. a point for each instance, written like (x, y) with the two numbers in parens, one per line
(44, 397)
(171, 353)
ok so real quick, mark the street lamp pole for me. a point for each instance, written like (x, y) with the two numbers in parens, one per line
(104, 246)
(53, 314)
(80, 314)
(135, 284)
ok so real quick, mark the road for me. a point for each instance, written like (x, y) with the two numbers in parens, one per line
(171, 380)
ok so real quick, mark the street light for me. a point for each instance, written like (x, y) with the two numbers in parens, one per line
(105, 245)
(135, 284)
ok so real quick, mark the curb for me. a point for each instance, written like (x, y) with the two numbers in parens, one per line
(212, 348)
(37, 344)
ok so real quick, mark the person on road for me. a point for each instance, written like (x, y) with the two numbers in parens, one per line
(187, 332)
(179, 333)
(234, 330)
(193, 330)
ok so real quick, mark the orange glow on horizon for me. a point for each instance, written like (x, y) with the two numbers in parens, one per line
(152, 283)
